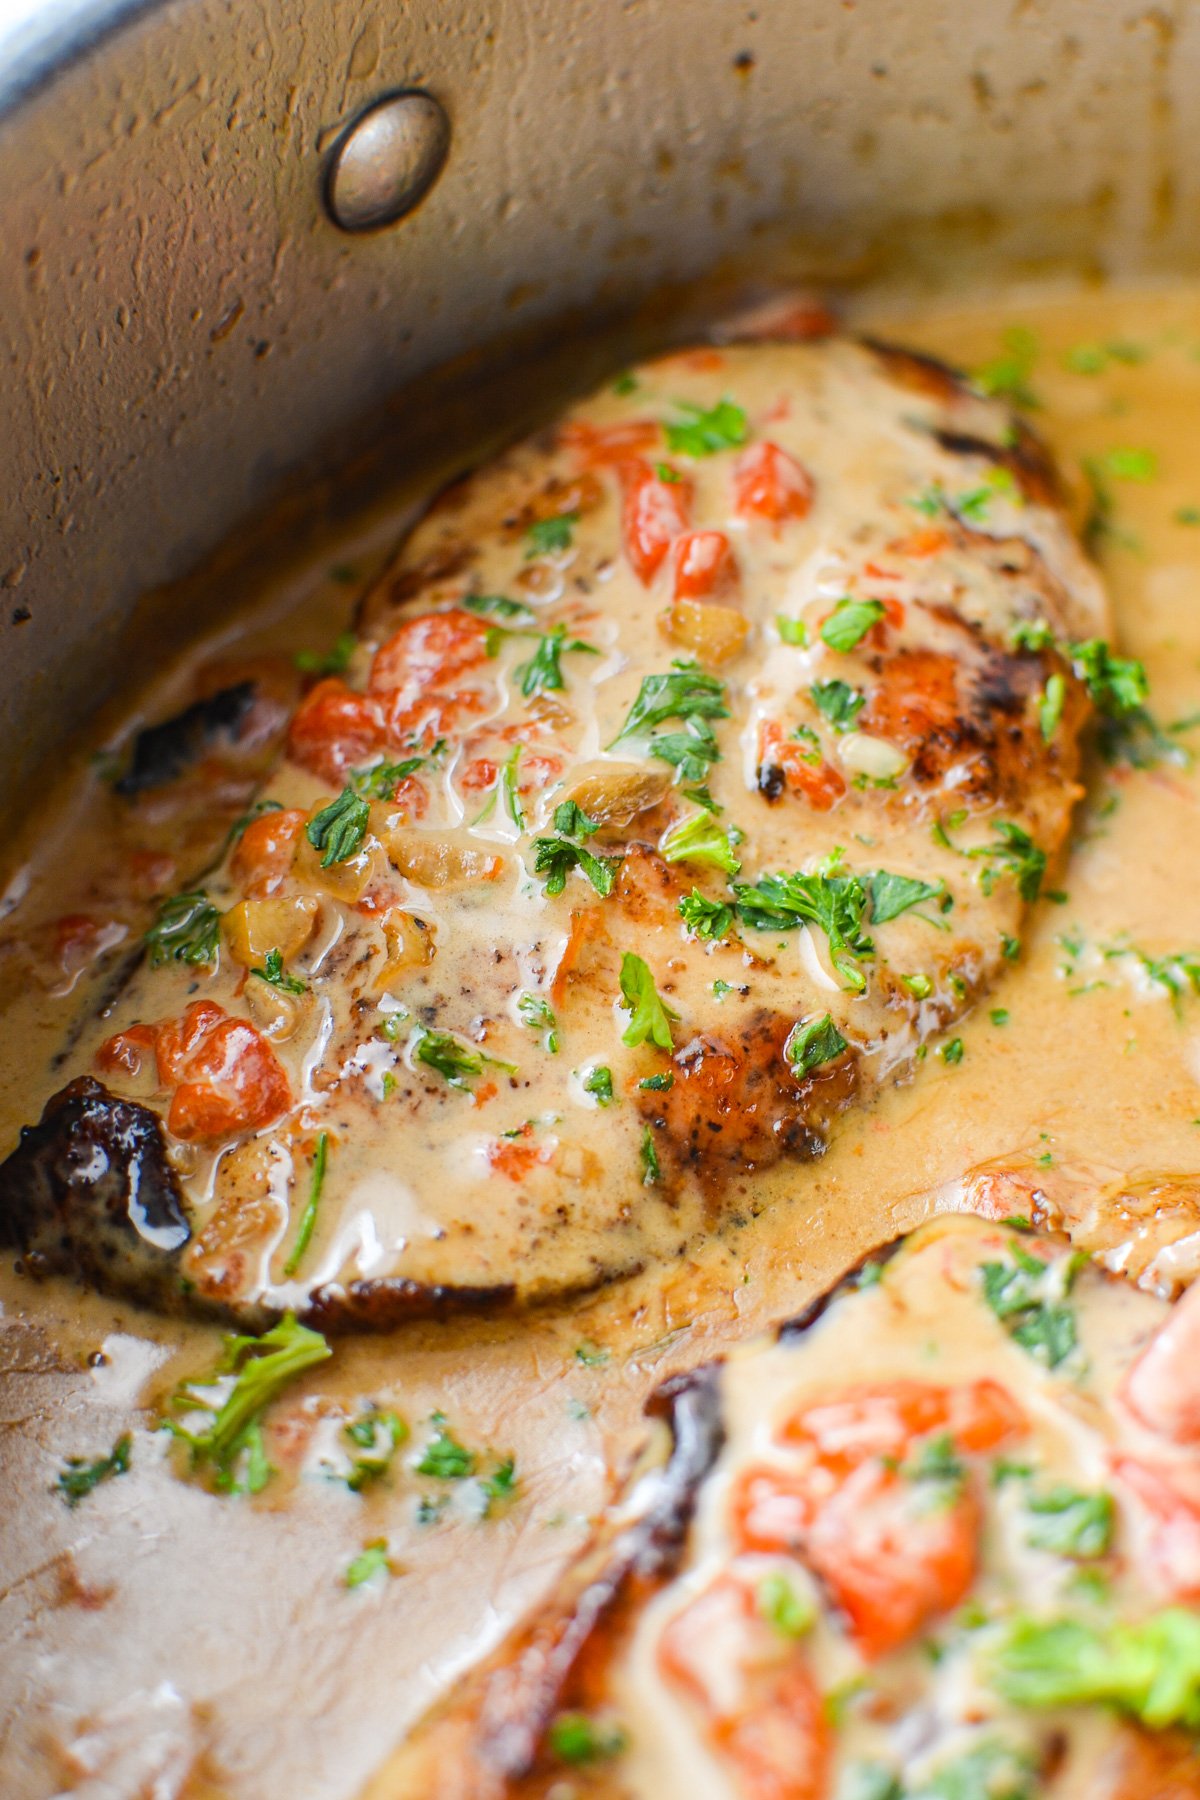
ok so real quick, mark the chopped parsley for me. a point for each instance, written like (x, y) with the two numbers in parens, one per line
(658, 1084)
(939, 1470)
(706, 431)
(705, 918)
(248, 1376)
(537, 1012)
(576, 1739)
(1070, 1524)
(272, 972)
(599, 1083)
(186, 930)
(556, 857)
(836, 903)
(991, 1771)
(78, 1478)
(686, 692)
(592, 1356)
(1093, 359)
(651, 1172)
(545, 537)
(919, 986)
(1117, 684)
(1007, 375)
(1050, 706)
(500, 1485)
(381, 780)
(338, 830)
(443, 1457)
(1150, 1669)
(512, 792)
(453, 1059)
(572, 821)
(998, 1015)
(500, 607)
(1013, 852)
(892, 895)
(308, 1217)
(784, 1606)
(812, 1045)
(791, 631)
(850, 621)
(700, 839)
(372, 1560)
(375, 1436)
(692, 751)
(1129, 464)
(542, 674)
(333, 662)
(649, 1018)
(838, 702)
(952, 1053)
(1027, 1295)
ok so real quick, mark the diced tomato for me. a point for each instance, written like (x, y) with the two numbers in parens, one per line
(335, 729)
(927, 540)
(586, 925)
(654, 514)
(1174, 1547)
(519, 1157)
(882, 1421)
(127, 1050)
(479, 775)
(770, 484)
(761, 1709)
(704, 564)
(817, 782)
(226, 1076)
(598, 446)
(1162, 1389)
(79, 939)
(891, 1561)
(429, 652)
(265, 851)
(772, 1509)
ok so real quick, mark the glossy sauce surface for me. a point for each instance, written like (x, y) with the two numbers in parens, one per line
(233, 1603)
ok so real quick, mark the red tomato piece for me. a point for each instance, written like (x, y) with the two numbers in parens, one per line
(704, 564)
(598, 446)
(519, 1157)
(429, 652)
(760, 1707)
(891, 1561)
(265, 850)
(1162, 1389)
(226, 1076)
(654, 514)
(127, 1050)
(1174, 1545)
(770, 484)
(927, 540)
(334, 729)
(883, 1420)
(817, 782)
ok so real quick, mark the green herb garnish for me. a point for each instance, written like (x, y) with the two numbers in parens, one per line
(685, 693)
(545, 537)
(651, 1173)
(443, 1457)
(78, 1477)
(791, 631)
(186, 930)
(576, 1739)
(836, 903)
(1026, 1295)
(705, 432)
(272, 972)
(1150, 1669)
(333, 662)
(1071, 1524)
(599, 1083)
(649, 1017)
(537, 1012)
(542, 674)
(371, 1560)
(850, 621)
(812, 1045)
(838, 702)
(249, 1375)
(700, 839)
(376, 1435)
(338, 830)
(308, 1217)
(499, 606)
(784, 1606)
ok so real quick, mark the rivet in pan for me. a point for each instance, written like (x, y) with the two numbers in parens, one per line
(387, 161)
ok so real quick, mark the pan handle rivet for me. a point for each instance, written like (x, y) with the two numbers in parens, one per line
(386, 161)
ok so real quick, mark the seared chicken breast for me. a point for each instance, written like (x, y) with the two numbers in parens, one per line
(690, 774)
(941, 1537)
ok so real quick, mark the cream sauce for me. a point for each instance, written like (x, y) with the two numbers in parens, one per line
(221, 1630)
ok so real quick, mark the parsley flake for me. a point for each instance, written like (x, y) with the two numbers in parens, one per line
(649, 1017)
(850, 621)
(546, 537)
(811, 1046)
(704, 432)
(79, 1478)
(338, 830)
(699, 839)
(186, 930)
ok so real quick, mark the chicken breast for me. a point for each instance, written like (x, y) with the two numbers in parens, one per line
(941, 1537)
(689, 777)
